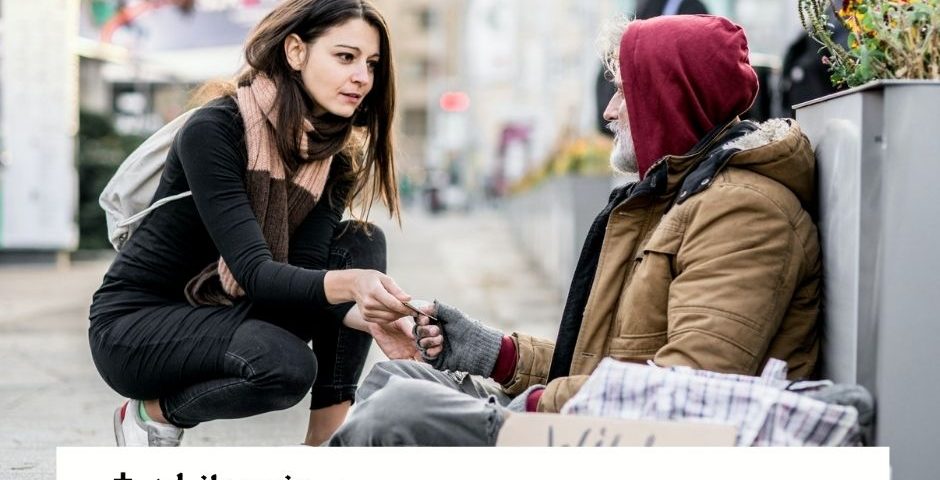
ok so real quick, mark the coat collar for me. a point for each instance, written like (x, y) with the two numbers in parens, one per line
(668, 173)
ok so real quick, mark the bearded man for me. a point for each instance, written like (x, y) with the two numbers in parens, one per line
(710, 260)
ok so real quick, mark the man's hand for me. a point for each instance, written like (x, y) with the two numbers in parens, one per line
(429, 337)
(396, 339)
(459, 343)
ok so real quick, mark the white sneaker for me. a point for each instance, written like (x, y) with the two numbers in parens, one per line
(132, 431)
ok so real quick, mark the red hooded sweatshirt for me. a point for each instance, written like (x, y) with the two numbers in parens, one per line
(682, 76)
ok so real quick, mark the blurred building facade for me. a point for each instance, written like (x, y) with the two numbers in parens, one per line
(38, 121)
(412, 25)
(510, 80)
(140, 59)
(527, 69)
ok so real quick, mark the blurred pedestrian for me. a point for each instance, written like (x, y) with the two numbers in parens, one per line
(653, 8)
(709, 261)
(805, 77)
(207, 311)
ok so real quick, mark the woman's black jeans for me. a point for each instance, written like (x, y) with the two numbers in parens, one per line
(269, 365)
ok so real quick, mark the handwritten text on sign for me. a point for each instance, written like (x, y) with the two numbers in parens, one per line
(552, 430)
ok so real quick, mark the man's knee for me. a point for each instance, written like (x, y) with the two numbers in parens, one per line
(380, 374)
(391, 416)
(421, 412)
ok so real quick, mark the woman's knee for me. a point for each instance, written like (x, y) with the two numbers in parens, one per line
(357, 233)
(359, 245)
(277, 362)
(296, 376)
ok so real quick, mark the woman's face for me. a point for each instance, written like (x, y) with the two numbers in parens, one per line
(338, 67)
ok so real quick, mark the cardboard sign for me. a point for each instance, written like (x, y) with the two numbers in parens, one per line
(555, 430)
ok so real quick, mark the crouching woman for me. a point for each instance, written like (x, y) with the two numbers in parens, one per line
(209, 310)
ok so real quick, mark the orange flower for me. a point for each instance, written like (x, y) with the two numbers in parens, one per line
(848, 7)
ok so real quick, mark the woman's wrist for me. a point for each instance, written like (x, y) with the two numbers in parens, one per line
(354, 320)
(338, 286)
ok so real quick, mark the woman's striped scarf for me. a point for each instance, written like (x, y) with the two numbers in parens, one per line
(280, 197)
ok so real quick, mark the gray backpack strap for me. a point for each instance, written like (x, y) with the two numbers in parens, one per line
(126, 198)
(159, 203)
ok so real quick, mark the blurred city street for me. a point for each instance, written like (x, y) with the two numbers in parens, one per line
(51, 395)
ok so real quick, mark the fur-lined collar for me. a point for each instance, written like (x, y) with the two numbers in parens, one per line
(768, 132)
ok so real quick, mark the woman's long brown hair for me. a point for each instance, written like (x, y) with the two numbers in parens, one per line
(368, 134)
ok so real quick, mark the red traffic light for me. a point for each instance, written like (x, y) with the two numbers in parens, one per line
(455, 101)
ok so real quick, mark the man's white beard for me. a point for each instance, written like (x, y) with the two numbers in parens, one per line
(623, 156)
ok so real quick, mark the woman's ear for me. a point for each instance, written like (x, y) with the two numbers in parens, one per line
(296, 51)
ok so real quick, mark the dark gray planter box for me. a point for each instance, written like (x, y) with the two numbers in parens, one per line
(878, 154)
(550, 221)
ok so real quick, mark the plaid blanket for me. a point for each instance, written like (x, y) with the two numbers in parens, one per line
(768, 410)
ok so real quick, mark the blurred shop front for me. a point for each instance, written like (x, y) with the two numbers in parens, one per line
(83, 81)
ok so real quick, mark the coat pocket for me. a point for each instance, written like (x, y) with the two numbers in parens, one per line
(658, 256)
(637, 347)
(663, 240)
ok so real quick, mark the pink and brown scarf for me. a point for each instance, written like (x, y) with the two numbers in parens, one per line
(280, 197)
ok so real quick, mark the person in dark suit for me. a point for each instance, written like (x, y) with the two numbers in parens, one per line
(655, 8)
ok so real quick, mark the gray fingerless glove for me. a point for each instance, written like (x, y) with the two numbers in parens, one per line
(469, 346)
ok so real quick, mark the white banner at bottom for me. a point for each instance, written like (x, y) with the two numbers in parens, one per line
(537, 463)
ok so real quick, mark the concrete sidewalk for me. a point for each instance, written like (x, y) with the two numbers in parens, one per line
(51, 394)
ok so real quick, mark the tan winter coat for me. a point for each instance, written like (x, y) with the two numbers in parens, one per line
(723, 281)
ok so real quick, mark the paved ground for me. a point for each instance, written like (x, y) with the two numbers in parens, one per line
(51, 395)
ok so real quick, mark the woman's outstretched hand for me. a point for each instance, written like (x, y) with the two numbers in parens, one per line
(377, 295)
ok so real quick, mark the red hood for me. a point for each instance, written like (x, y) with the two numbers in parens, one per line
(682, 76)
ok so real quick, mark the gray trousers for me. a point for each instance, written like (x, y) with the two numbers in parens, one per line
(409, 403)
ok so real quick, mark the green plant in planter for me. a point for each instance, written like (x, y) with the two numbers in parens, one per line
(888, 39)
(583, 156)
